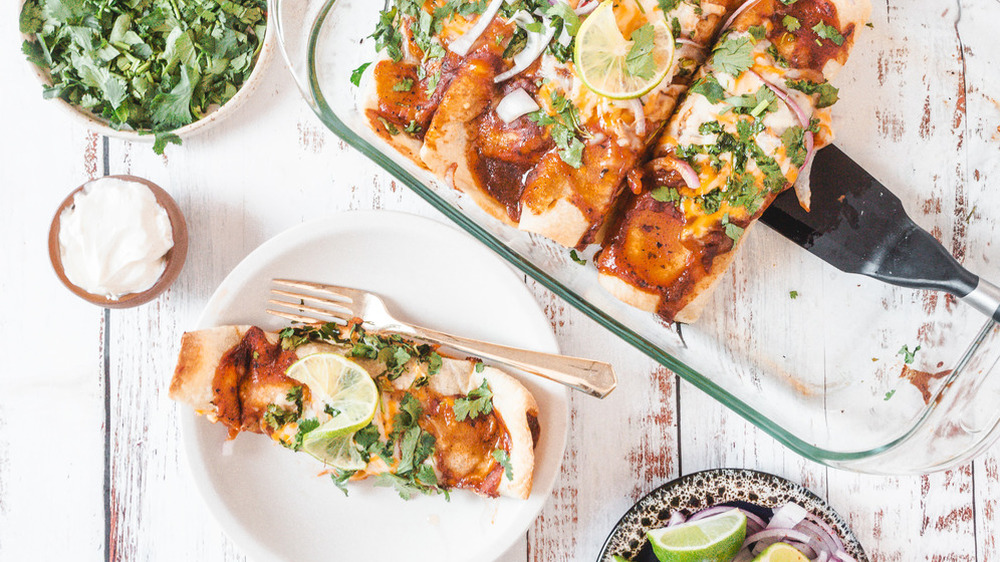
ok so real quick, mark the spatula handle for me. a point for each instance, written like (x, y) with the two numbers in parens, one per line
(985, 298)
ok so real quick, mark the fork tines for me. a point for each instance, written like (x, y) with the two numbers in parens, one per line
(339, 311)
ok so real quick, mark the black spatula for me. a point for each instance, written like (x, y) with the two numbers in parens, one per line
(859, 226)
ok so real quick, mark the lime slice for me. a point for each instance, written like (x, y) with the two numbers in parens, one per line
(781, 552)
(341, 384)
(601, 56)
(713, 539)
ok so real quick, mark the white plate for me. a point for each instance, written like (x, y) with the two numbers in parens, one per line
(270, 501)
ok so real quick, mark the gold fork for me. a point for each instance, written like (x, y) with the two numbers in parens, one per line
(341, 304)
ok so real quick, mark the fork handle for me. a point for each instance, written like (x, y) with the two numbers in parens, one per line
(593, 377)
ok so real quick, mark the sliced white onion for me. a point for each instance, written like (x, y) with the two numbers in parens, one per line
(737, 13)
(640, 115)
(689, 42)
(463, 44)
(802, 189)
(515, 104)
(787, 517)
(537, 43)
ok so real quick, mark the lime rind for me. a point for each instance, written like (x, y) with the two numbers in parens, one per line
(717, 538)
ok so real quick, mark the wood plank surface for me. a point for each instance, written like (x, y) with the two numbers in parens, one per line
(107, 480)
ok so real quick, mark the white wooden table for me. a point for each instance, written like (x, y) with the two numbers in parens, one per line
(89, 463)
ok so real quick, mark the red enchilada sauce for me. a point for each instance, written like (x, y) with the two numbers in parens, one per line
(250, 377)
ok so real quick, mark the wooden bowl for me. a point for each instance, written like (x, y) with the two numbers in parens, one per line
(175, 256)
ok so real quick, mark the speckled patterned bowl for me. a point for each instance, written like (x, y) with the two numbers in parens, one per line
(700, 490)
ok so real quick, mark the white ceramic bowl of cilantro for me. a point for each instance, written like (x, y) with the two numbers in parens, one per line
(213, 113)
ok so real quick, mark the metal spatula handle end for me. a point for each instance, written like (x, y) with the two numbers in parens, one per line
(985, 298)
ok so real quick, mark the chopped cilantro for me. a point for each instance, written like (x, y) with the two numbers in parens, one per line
(709, 87)
(480, 367)
(404, 85)
(478, 402)
(757, 32)
(503, 458)
(908, 356)
(518, 41)
(732, 230)
(665, 194)
(305, 426)
(795, 147)
(149, 66)
(340, 478)
(778, 59)
(563, 128)
(576, 257)
(829, 32)
(667, 5)
(563, 11)
(358, 72)
(763, 101)
(828, 94)
(639, 60)
(793, 295)
(733, 55)
(889, 394)
(791, 23)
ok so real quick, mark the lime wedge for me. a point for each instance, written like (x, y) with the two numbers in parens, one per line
(713, 539)
(344, 388)
(605, 62)
(781, 552)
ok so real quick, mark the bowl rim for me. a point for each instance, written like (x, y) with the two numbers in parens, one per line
(99, 125)
(175, 256)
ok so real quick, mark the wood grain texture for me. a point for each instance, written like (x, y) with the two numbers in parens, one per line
(274, 165)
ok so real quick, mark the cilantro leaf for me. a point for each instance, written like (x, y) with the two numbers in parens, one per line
(829, 32)
(828, 94)
(665, 194)
(358, 72)
(639, 60)
(162, 140)
(563, 11)
(733, 55)
(173, 109)
(795, 147)
(733, 231)
(757, 32)
(791, 23)
(340, 478)
(667, 5)
(478, 402)
(709, 87)
(503, 458)
(908, 356)
(576, 257)
(793, 295)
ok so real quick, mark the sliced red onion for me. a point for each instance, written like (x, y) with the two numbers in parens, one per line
(676, 518)
(828, 530)
(843, 556)
(737, 13)
(515, 104)
(463, 44)
(586, 7)
(805, 549)
(783, 96)
(823, 557)
(709, 512)
(537, 43)
(686, 172)
(787, 516)
(778, 534)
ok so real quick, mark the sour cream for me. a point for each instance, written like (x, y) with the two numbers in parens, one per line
(114, 238)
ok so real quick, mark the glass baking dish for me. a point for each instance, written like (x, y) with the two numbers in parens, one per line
(809, 354)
